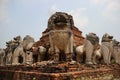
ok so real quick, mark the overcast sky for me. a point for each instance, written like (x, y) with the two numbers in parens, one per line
(29, 17)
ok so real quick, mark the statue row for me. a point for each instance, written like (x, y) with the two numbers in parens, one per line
(21, 51)
(106, 52)
(17, 51)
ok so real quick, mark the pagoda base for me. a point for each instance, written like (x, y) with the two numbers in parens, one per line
(60, 71)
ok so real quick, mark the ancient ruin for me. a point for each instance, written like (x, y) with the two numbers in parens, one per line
(62, 53)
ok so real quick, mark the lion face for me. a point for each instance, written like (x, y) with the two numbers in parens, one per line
(93, 38)
(115, 42)
(60, 21)
(107, 38)
(17, 38)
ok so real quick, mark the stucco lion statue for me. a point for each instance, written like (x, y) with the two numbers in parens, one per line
(106, 48)
(91, 43)
(61, 37)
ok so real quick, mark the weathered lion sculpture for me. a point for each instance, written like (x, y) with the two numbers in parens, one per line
(2, 55)
(23, 49)
(18, 51)
(116, 51)
(106, 48)
(61, 36)
(91, 43)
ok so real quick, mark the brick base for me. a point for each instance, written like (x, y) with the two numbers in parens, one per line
(33, 73)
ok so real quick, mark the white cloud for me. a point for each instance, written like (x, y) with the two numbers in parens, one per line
(79, 16)
(99, 2)
(53, 9)
(112, 11)
(95, 1)
(3, 10)
(32, 2)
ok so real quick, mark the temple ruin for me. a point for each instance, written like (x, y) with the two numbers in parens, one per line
(53, 57)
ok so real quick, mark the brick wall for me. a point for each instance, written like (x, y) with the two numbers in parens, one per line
(77, 36)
